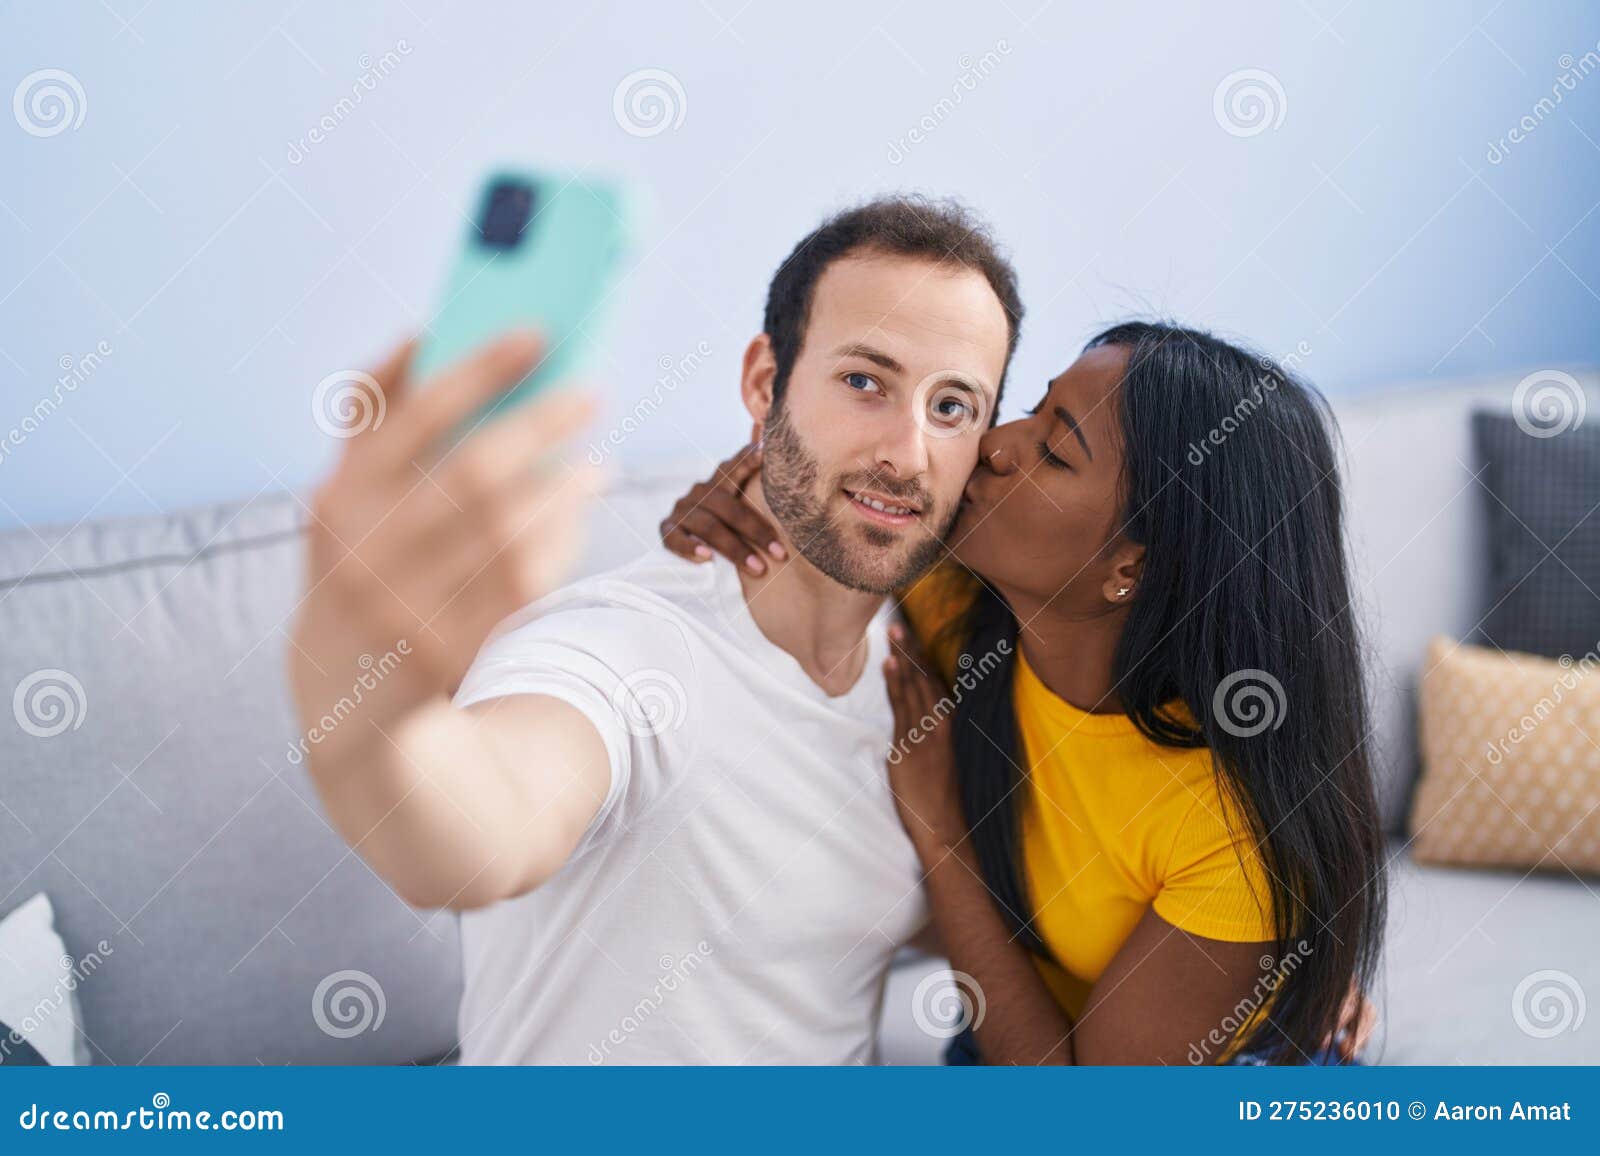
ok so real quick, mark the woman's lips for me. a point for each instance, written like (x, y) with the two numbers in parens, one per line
(970, 512)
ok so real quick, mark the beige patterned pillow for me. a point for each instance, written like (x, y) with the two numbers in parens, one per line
(1510, 760)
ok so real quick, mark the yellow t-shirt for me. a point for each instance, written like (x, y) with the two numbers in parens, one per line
(1112, 823)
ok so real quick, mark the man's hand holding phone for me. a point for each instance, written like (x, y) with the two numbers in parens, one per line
(420, 537)
(412, 539)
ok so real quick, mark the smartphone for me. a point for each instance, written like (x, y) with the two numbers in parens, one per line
(543, 252)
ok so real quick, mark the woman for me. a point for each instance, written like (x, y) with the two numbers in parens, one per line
(1149, 830)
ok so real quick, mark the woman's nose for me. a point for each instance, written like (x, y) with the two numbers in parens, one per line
(995, 453)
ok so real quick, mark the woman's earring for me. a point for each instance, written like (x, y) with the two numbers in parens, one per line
(1122, 591)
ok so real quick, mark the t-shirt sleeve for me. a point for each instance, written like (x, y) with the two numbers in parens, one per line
(1215, 882)
(629, 671)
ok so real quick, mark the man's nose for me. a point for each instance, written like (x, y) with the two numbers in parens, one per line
(902, 449)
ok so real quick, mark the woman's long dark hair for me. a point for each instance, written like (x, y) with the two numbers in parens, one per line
(1231, 485)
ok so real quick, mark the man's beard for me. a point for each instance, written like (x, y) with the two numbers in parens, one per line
(789, 474)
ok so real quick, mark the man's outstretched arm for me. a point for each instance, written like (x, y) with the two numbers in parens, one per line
(415, 552)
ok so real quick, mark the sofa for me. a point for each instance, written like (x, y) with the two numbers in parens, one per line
(172, 820)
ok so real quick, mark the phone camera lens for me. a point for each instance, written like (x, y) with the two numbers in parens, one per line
(507, 211)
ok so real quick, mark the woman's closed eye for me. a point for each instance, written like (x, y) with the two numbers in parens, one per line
(1051, 460)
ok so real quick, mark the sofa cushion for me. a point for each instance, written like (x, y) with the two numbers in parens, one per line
(1488, 966)
(1542, 498)
(1511, 776)
(40, 1022)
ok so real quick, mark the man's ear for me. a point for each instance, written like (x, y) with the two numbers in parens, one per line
(759, 372)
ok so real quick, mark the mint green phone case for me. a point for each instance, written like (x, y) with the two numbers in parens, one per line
(554, 274)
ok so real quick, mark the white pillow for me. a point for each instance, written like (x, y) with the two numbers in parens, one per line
(39, 988)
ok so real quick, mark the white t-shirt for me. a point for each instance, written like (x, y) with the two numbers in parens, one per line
(740, 893)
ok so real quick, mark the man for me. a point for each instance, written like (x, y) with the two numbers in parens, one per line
(659, 794)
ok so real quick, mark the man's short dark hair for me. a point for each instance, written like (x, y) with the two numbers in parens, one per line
(907, 226)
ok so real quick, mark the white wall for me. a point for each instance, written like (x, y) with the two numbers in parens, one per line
(228, 270)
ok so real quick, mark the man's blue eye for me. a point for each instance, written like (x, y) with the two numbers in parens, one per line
(859, 381)
(953, 407)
